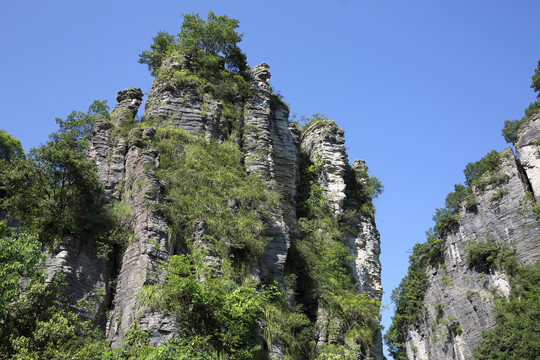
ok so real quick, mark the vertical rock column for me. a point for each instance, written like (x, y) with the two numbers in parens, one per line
(323, 142)
(148, 248)
(528, 151)
(87, 272)
(271, 150)
(178, 103)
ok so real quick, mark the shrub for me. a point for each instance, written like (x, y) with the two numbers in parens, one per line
(475, 170)
(490, 255)
(516, 334)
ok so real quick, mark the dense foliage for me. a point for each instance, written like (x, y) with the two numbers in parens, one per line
(52, 192)
(206, 45)
(511, 127)
(517, 331)
(319, 261)
(408, 297)
(48, 195)
(206, 182)
(10, 148)
(491, 254)
(536, 78)
(216, 313)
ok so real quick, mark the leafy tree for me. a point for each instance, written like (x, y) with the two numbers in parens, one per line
(215, 38)
(53, 191)
(511, 127)
(155, 56)
(18, 257)
(34, 323)
(214, 308)
(206, 45)
(475, 170)
(10, 148)
(517, 331)
(536, 78)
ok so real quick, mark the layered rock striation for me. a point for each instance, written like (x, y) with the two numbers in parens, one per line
(458, 302)
(323, 143)
(126, 162)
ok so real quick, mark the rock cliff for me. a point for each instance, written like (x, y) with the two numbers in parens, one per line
(458, 302)
(126, 161)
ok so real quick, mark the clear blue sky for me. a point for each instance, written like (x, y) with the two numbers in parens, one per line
(421, 88)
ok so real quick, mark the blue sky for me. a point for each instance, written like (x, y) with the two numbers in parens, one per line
(421, 88)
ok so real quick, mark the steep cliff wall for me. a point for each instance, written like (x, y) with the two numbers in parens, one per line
(128, 161)
(323, 142)
(458, 299)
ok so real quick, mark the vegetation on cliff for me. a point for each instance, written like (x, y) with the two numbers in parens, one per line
(53, 196)
(519, 336)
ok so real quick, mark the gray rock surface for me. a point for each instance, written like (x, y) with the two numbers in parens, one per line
(528, 152)
(108, 153)
(181, 105)
(323, 142)
(271, 150)
(129, 101)
(126, 167)
(462, 295)
(87, 273)
(148, 249)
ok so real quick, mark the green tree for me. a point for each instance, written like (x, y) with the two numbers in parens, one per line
(53, 191)
(18, 257)
(206, 45)
(154, 57)
(536, 78)
(215, 38)
(475, 170)
(516, 334)
(10, 148)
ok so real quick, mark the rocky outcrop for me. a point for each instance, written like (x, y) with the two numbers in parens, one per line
(459, 299)
(271, 147)
(87, 273)
(127, 162)
(175, 101)
(148, 248)
(322, 141)
(323, 144)
(88, 264)
(528, 151)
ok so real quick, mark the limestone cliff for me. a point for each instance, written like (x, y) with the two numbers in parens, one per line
(127, 160)
(458, 302)
(322, 141)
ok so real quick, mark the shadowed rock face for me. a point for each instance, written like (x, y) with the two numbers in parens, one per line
(323, 142)
(271, 150)
(463, 294)
(126, 169)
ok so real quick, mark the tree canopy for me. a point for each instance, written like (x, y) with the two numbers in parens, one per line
(204, 43)
(53, 191)
(10, 148)
(536, 78)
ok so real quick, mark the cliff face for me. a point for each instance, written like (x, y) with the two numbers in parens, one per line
(458, 302)
(322, 141)
(272, 148)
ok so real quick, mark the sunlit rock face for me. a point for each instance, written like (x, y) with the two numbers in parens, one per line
(528, 151)
(126, 165)
(459, 299)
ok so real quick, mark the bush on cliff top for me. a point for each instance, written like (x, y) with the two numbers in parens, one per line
(206, 45)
